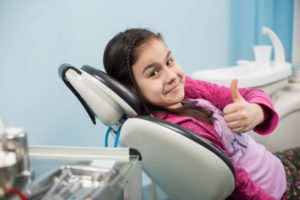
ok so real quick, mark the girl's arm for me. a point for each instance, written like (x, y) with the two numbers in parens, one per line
(220, 96)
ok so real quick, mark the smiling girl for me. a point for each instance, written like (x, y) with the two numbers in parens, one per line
(141, 60)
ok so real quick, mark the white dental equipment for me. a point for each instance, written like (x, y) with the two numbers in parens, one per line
(269, 76)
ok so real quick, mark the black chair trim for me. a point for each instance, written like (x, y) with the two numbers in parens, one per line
(62, 73)
(134, 152)
(122, 91)
(196, 138)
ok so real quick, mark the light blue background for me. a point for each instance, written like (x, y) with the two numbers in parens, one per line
(36, 36)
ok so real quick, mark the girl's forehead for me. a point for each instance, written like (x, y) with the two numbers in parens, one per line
(152, 47)
(151, 52)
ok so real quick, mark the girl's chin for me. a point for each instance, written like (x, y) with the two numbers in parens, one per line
(175, 102)
(176, 105)
(176, 96)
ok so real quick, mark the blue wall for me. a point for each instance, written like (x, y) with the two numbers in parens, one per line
(246, 20)
(36, 36)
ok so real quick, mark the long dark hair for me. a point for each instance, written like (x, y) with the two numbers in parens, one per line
(121, 53)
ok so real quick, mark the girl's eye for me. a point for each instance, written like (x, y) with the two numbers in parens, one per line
(170, 61)
(153, 73)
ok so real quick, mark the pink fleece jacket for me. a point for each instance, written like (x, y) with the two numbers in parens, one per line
(220, 96)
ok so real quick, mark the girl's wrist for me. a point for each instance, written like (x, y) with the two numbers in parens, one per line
(261, 113)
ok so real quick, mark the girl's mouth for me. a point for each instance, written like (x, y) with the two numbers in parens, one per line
(173, 89)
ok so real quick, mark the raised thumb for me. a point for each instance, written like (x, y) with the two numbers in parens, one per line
(235, 94)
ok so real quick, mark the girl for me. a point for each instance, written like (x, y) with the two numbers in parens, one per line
(141, 60)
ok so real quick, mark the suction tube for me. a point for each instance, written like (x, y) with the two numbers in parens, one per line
(278, 48)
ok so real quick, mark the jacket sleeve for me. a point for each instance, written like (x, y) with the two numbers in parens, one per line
(245, 187)
(220, 96)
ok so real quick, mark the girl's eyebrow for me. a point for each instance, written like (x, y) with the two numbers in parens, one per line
(168, 54)
(153, 64)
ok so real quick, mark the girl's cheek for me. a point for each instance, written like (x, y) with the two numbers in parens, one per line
(158, 87)
(154, 89)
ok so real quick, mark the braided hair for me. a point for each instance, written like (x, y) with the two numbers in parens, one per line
(121, 53)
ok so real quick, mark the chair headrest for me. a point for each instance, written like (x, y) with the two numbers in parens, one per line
(101, 95)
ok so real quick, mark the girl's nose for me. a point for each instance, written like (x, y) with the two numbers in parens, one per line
(170, 74)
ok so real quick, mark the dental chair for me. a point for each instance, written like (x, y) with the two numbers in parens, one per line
(184, 165)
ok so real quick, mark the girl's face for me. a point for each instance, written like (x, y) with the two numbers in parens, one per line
(158, 75)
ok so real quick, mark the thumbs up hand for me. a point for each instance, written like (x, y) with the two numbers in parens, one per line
(241, 116)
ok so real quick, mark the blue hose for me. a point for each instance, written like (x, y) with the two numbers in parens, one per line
(117, 137)
(106, 136)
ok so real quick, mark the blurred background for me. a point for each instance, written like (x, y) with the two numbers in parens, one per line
(37, 36)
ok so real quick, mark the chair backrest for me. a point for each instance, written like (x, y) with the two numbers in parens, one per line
(101, 96)
(184, 165)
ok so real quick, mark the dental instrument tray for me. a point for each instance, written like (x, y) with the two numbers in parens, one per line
(76, 182)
